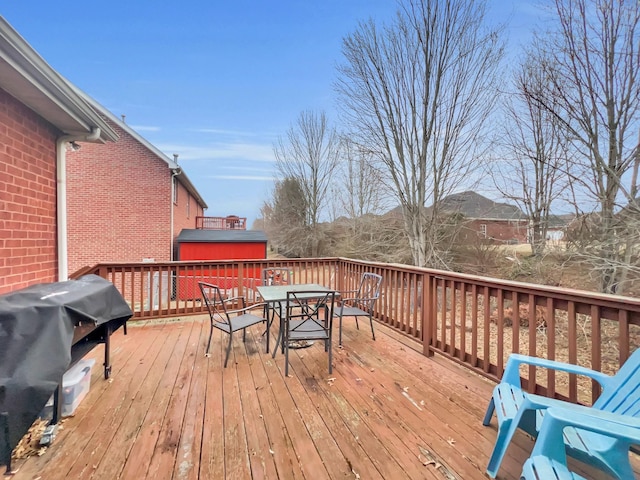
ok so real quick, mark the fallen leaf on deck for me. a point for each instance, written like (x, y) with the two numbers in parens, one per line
(426, 462)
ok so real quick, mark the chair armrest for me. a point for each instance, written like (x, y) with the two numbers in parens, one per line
(246, 309)
(550, 441)
(349, 299)
(233, 300)
(512, 369)
(342, 292)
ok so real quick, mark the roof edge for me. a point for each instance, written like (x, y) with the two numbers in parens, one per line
(37, 73)
(171, 164)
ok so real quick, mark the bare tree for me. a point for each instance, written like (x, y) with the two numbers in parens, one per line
(416, 94)
(285, 219)
(533, 167)
(594, 60)
(360, 190)
(309, 154)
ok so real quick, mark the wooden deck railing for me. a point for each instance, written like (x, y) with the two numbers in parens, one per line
(221, 223)
(474, 321)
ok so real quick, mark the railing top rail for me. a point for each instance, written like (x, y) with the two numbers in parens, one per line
(567, 294)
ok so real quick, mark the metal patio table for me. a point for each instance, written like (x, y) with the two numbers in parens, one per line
(275, 294)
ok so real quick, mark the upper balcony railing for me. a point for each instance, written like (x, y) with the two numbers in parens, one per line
(221, 223)
(474, 321)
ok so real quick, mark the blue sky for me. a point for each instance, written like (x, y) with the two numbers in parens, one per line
(213, 81)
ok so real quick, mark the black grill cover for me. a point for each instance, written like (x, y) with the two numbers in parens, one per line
(36, 335)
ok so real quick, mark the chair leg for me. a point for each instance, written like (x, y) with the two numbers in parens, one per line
(209, 341)
(330, 356)
(372, 332)
(506, 430)
(226, 359)
(490, 409)
(286, 357)
(340, 332)
(279, 341)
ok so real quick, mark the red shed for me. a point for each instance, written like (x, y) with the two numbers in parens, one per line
(197, 244)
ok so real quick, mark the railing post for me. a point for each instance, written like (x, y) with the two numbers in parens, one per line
(241, 279)
(427, 314)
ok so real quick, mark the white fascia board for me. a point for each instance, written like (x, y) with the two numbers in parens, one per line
(29, 78)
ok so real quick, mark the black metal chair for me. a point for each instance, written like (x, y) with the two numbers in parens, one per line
(228, 320)
(308, 316)
(360, 304)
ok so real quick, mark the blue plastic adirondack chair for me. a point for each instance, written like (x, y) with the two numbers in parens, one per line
(515, 409)
(549, 460)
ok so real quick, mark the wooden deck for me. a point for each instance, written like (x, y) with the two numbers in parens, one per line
(386, 412)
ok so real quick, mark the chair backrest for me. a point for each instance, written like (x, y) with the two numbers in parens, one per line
(311, 307)
(276, 276)
(622, 394)
(214, 301)
(369, 290)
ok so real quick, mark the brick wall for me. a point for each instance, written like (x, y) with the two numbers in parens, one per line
(185, 212)
(501, 231)
(28, 253)
(119, 201)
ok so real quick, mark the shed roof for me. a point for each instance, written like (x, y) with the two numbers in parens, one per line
(188, 235)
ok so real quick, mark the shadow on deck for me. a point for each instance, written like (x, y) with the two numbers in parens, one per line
(386, 412)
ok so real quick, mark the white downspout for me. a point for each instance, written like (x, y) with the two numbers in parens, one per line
(61, 196)
(175, 172)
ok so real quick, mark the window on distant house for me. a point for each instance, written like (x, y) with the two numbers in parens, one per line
(175, 190)
(188, 205)
(483, 230)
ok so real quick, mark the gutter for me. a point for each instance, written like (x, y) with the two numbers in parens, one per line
(61, 196)
(174, 173)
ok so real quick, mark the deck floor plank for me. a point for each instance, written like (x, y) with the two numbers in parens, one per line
(393, 450)
(421, 404)
(357, 458)
(180, 368)
(188, 462)
(284, 457)
(292, 419)
(261, 461)
(159, 385)
(236, 450)
(212, 448)
(83, 434)
(318, 435)
(170, 412)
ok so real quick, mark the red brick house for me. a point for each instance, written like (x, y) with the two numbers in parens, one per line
(484, 218)
(132, 205)
(40, 113)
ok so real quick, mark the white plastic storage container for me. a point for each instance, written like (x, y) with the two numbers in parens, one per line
(75, 385)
